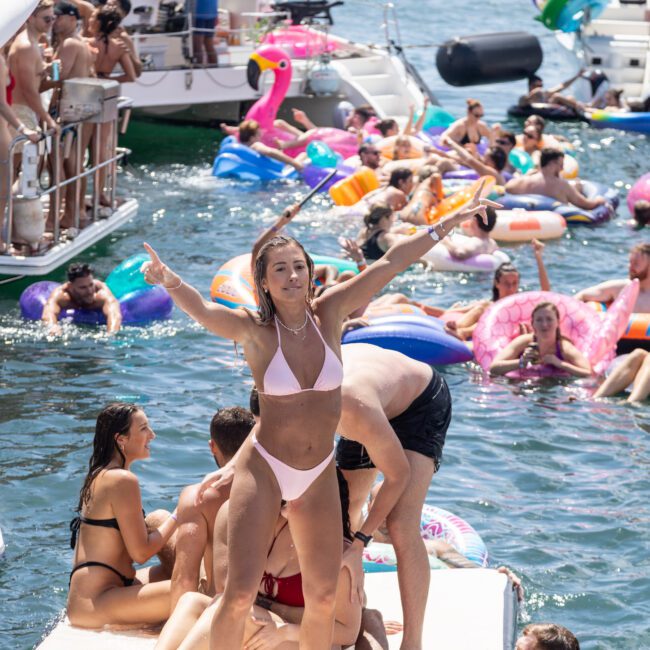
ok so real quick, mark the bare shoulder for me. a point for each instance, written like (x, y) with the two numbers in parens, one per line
(122, 479)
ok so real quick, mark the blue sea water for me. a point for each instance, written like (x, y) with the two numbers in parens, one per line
(558, 489)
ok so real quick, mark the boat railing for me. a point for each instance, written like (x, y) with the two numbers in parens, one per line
(151, 43)
(57, 145)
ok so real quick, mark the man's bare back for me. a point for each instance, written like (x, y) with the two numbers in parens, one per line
(77, 58)
(395, 378)
(538, 183)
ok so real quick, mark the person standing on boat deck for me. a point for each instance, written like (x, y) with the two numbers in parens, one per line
(105, 28)
(111, 532)
(124, 38)
(204, 21)
(229, 428)
(8, 121)
(395, 413)
(27, 67)
(82, 291)
(77, 59)
(292, 346)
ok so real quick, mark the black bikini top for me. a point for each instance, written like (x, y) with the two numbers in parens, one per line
(75, 524)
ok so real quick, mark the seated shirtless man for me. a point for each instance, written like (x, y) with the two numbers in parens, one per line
(82, 291)
(228, 430)
(548, 182)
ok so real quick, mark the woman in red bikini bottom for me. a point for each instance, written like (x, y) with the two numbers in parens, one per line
(274, 620)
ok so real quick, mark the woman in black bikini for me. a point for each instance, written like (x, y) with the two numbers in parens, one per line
(470, 129)
(110, 532)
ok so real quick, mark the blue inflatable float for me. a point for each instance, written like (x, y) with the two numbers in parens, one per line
(638, 122)
(236, 160)
(422, 338)
(139, 301)
(571, 213)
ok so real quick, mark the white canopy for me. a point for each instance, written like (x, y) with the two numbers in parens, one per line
(12, 15)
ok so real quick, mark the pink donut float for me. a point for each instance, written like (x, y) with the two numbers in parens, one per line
(595, 335)
(640, 191)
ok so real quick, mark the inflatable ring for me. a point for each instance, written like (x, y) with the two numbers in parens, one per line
(139, 306)
(436, 523)
(636, 334)
(352, 189)
(554, 112)
(592, 334)
(422, 338)
(236, 160)
(440, 259)
(640, 191)
(568, 15)
(571, 213)
(523, 225)
(387, 145)
(233, 286)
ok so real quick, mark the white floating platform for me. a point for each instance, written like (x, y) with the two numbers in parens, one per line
(467, 609)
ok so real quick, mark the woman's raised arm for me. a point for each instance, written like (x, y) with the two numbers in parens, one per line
(348, 296)
(232, 324)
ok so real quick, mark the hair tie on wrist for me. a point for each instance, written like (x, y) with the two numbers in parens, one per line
(433, 233)
(178, 286)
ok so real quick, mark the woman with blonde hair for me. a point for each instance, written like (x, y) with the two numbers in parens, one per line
(292, 344)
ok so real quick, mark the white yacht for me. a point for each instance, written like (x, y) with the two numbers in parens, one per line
(326, 68)
(617, 41)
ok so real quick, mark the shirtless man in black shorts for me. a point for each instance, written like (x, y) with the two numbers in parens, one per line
(82, 291)
(395, 416)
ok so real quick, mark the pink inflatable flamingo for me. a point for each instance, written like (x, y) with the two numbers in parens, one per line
(594, 334)
(265, 109)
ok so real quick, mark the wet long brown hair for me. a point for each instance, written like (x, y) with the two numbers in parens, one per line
(114, 419)
(266, 311)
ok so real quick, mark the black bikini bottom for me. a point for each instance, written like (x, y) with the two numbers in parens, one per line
(127, 581)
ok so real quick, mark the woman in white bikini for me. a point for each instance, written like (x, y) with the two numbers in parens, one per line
(292, 345)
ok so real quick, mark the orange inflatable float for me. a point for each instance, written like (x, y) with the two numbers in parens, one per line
(352, 189)
(460, 198)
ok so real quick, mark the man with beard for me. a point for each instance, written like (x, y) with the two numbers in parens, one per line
(638, 269)
(82, 291)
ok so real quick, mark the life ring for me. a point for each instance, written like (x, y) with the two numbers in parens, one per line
(387, 145)
(352, 189)
(233, 286)
(592, 334)
(554, 112)
(436, 523)
(460, 198)
(422, 338)
(139, 306)
(236, 160)
(572, 214)
(523, 225)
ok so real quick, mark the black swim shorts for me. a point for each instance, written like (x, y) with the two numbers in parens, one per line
(421, 428)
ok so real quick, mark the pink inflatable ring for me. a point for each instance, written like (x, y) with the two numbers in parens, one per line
(595, 335)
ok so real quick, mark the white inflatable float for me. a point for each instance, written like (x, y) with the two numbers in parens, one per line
(2, 544)
(467, 609)
(12, 16)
